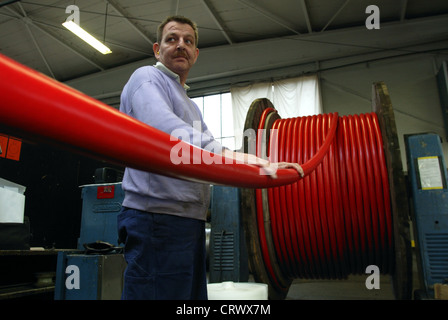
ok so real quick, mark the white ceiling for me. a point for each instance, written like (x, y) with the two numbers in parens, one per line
(32, 34)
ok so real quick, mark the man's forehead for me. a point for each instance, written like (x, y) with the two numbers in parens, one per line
(173, 27)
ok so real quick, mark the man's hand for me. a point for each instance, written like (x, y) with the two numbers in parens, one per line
(270, 168)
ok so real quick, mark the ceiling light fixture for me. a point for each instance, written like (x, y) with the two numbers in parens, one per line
(84, 35)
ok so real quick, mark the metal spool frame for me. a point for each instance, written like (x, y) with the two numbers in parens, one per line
(402, 271)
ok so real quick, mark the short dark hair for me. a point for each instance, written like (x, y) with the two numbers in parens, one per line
(180, 19)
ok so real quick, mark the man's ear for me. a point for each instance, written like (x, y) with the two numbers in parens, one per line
(197, 54)
(155, 48)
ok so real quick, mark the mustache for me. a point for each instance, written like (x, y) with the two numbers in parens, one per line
(182, 54)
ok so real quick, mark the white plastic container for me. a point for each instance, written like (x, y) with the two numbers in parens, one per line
(12, 202)
(237, 291)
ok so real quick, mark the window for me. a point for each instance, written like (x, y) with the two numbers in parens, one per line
(225, 113)
(293, 97)
(218, 115)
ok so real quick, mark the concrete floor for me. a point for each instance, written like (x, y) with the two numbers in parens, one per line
(353, 288)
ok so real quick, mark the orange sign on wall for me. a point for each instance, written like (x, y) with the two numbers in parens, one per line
(10, 147)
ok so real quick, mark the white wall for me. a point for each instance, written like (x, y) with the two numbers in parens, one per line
(412, 86)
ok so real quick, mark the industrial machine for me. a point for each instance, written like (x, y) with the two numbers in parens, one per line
(228, 259)
(95, 270)
(429, 194)
(100, 207)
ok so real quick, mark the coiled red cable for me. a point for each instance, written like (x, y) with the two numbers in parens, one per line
(337, 220)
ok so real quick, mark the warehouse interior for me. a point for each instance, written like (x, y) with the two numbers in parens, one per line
(242, 43)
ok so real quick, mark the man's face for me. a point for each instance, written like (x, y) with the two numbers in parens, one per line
(177, 49)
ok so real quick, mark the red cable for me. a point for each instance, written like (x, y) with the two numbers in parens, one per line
(387, 217)
(348, 196)
(259, 205)
(299, 206)
(285, 239)
(37, 108)
(357, 187)
(328, 233)
(373, 199)
(301, 241)
(285, 202)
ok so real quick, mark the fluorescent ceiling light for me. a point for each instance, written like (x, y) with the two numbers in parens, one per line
(84, 35)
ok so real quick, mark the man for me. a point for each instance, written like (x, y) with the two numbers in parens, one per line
(162, 222)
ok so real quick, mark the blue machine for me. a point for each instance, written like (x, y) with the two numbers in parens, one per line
(228, 253)
(428, 178)
(100, 207)
(97, 276)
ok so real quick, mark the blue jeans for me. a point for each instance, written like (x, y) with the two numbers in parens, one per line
(165, 255)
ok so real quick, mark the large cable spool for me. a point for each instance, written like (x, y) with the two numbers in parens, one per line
(349, 212)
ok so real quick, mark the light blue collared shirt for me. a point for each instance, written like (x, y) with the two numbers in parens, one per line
(159, 65)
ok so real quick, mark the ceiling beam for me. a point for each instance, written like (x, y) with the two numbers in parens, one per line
(335, 15)
(404, 6)
(278, 20)
(40, 51)
(217, 19)
(28, 21)
(122, 12)
(128, 48)
(307, 17)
